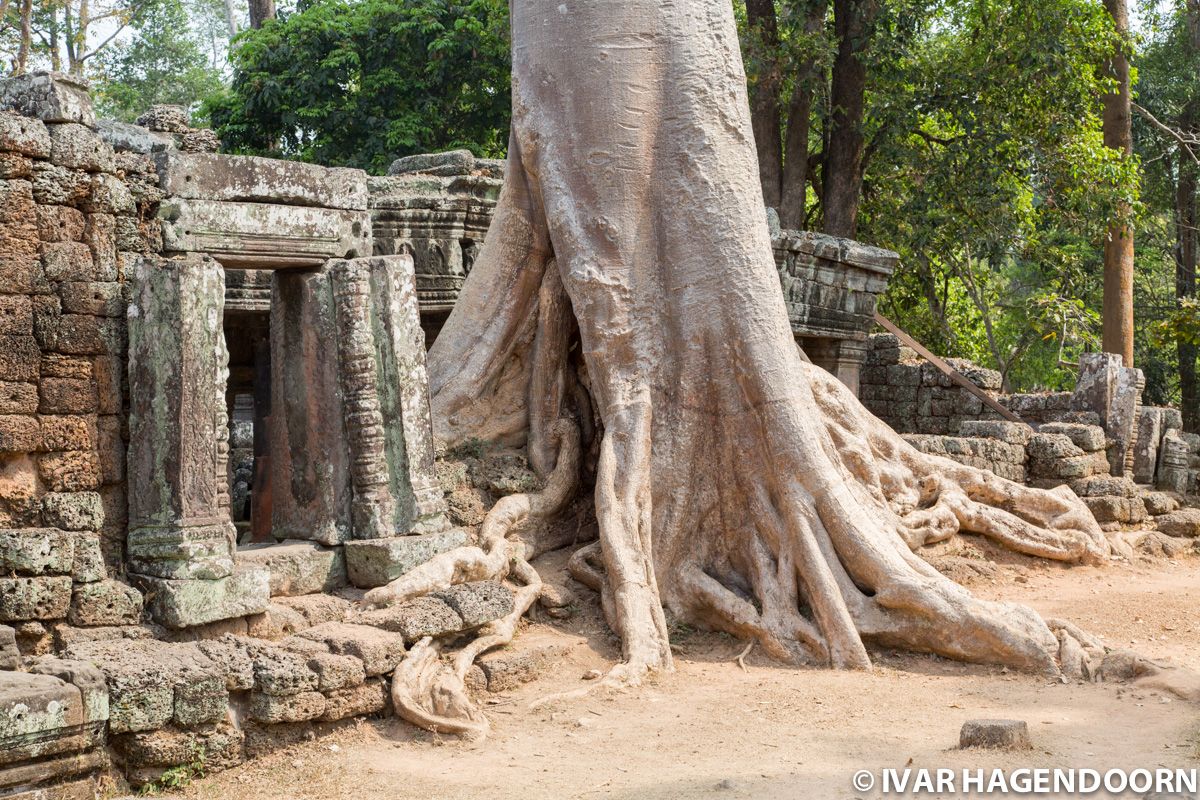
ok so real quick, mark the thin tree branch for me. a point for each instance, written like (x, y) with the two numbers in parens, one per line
(1167, 129)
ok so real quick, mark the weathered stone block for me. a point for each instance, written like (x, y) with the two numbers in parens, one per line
(110, 377)
(34, 598)
(98, 298)
(416, 618)
(20, 272)
(1149, 435)
(24, 135)
(110, 447)
(105, 603)
(336, 671)
(379, 650)
(186, 603)
(88, 565)
(73, 511)
(58, 365)
(995, 733)
(1184, 522)
(297, 568)
(55, 185)
(276, 622)
(16, 315)
(40, 716)
(18, 398)
(375, 562)
(478, 602)
(67, 261)
(19, 434)
(281, 672)
(261, 180)
(356, 701)
(317, 608)
(20, 358)
(48, 96)
(67, 396)
(36, 551)
(165, 117)
(59, 224)
(68, 432)
(10, 655)
(1158, 503)
(108, 194)
(76, 146)
(75, 471)
(221, 748)
(124, 137)
(1088, 438)
(274, 709)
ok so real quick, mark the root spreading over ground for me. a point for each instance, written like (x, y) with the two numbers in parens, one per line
(627, 285)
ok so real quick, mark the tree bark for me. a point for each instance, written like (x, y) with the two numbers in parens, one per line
(737, 487)
(792, 205)
(231, 19)
(764, 99)
(260, 12)
(853, 22)
(26, 37)
(1117, 325)
(1187, 235)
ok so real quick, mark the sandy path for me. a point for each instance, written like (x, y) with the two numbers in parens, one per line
(711, 729)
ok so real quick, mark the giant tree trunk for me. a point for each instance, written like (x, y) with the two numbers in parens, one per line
(1187, 255)
(1117, 327)
(737, 487)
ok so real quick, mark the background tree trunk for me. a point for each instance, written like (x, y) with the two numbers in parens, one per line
(1117, 334)
(1187, 252)
(792, 206)
(853, 22)
(260, 12)
(26, 37)
(764, 99)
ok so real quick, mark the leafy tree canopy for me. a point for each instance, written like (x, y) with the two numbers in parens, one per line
(361, 82)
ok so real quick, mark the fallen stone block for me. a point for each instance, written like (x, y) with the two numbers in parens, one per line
(376, 562)
(184, 603)
(297, 567)
(1088, 438)
(42, 716)
(273, 709)
(1184, 522)
(416, 618)
(146, 756)
(368, 698)
(317, 608)
(478, 602)
(276, 622)
(1158, 503)
(1008, 734)
(524, 659)
(379, 650)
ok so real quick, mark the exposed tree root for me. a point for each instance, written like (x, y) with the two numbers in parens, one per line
(426, 691)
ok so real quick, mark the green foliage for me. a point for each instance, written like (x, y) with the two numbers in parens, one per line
(161, 63)
(178, 777)
(361, 83)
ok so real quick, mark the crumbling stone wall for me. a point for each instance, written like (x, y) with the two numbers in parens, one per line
(72, 212)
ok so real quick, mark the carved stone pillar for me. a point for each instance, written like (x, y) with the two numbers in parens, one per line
(179, 525)
(842, 357)
(309, 457)
(1114, 392)
(181, 538)
(404, 394)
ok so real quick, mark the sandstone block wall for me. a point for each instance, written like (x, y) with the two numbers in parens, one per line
(70, 215)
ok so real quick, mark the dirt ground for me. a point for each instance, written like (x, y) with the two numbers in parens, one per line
(712, 729)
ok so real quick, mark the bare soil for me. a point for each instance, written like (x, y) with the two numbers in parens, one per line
(713, 729)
